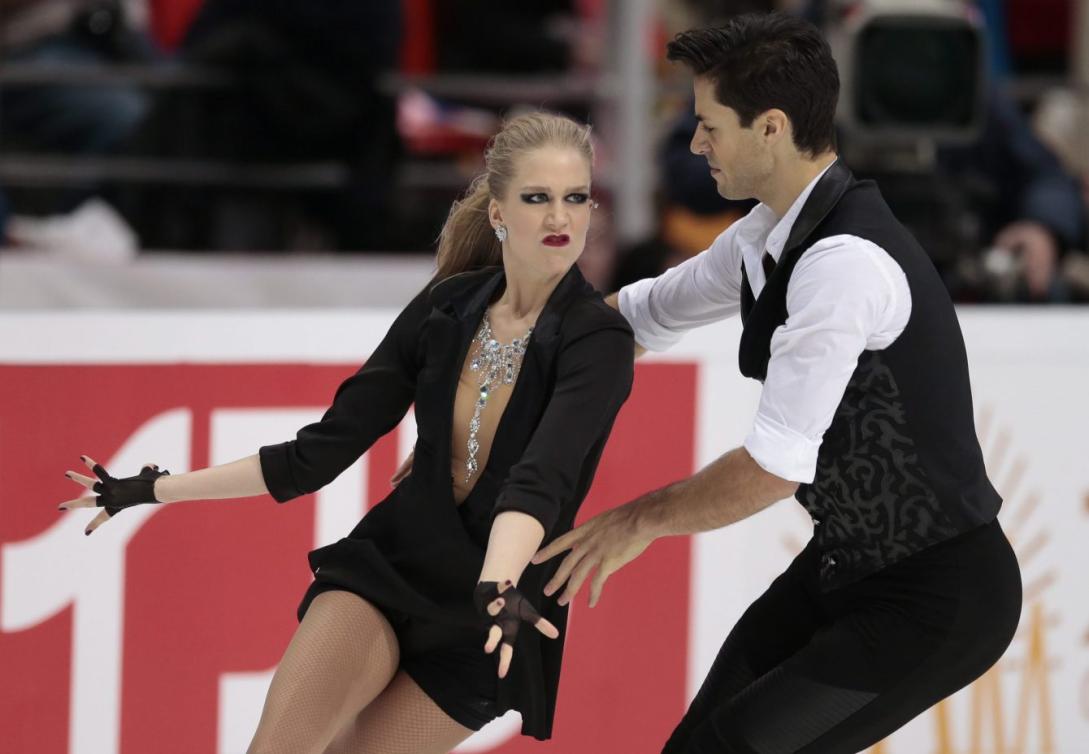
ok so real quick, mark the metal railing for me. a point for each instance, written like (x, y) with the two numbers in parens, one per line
(620, 99)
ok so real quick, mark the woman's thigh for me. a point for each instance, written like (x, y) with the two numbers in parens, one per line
(402, 720)
(342, 656)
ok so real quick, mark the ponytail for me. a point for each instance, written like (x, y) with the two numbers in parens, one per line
(467, 240)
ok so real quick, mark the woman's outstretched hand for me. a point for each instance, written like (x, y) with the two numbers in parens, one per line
(113, 494)
(507, 609)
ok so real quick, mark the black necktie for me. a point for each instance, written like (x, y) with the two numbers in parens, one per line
(769, 265)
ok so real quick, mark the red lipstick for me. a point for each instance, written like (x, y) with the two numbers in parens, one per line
(557, 240)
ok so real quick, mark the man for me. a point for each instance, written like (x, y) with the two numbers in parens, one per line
(908, 589)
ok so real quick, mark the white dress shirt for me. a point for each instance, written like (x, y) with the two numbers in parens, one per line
(846, 295)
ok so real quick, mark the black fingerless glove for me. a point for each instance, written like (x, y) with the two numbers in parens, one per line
(117, 494)
(516, 608)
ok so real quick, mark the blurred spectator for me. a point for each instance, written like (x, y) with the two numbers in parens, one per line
(1039, 34)
(1026, 202)
(687, 182)
(307, 92)
(3, 220)
(692, 212)
(93, 232)
(1005, 192)
(482, 35)
(1060, 121)
(998, 47)
(72, 118)
(1003, 202)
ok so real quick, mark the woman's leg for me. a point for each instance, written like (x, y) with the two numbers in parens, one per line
(342, 655)
(402, 720)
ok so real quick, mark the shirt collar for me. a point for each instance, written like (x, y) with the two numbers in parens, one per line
(780, 229)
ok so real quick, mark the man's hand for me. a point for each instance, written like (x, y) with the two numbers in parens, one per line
(606, 543)
(730, 488)
(1037, 250)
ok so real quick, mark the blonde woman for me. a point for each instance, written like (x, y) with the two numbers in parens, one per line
(517, 369)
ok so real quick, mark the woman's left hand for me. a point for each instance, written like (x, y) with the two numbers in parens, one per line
(114, 495)
(508, 609)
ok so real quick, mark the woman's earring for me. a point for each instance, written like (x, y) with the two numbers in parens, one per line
(594, 204)
(501, 233)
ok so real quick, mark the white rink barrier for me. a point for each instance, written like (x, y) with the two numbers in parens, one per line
(160, 632)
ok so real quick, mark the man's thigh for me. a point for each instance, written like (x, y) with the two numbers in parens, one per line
(856, 681)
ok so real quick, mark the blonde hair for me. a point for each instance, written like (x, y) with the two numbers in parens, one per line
(467, 240)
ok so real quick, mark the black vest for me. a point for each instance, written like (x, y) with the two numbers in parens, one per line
(900, 467)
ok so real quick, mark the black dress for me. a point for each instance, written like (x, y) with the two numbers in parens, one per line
(417, 555)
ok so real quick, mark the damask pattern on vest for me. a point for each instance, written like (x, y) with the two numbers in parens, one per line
(870, 500)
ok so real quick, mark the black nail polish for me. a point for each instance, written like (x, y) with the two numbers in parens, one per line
(87, 533)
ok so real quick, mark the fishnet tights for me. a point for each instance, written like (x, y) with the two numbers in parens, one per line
(342, 656)
(402, 720)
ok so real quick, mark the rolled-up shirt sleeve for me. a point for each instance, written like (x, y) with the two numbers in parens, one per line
(594, 379)
(699, 291)
(845, 295)
(366, 406)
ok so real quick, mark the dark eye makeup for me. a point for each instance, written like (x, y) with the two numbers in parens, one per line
(540, 197)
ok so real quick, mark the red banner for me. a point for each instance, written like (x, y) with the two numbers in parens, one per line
(121, 641)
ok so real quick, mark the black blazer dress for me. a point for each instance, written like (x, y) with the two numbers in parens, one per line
(417, 555)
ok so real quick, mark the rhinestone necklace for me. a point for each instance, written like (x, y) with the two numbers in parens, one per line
(497, 363)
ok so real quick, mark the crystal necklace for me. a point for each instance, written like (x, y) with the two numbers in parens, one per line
(497, 363)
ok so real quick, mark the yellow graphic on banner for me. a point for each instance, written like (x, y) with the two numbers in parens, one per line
(988, 722)
(988, 711)
(987, 732)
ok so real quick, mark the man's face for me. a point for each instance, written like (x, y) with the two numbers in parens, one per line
(739, 159)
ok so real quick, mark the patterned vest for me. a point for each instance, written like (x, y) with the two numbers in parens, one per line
(900, 467)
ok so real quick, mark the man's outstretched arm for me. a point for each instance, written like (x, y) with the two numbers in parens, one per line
(729, 489)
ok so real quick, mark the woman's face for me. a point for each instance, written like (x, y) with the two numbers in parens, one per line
(546, 211)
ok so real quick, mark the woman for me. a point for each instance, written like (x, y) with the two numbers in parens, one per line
(517, 372)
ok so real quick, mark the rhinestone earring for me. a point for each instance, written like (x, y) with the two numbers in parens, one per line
(501, 233)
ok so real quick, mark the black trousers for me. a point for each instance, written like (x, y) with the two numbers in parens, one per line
(805, 672)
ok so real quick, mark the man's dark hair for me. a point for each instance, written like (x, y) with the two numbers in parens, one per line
(763, 61)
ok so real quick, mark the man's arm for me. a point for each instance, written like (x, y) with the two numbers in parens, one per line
(697, 292)
(729, 489)
(846, 295)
